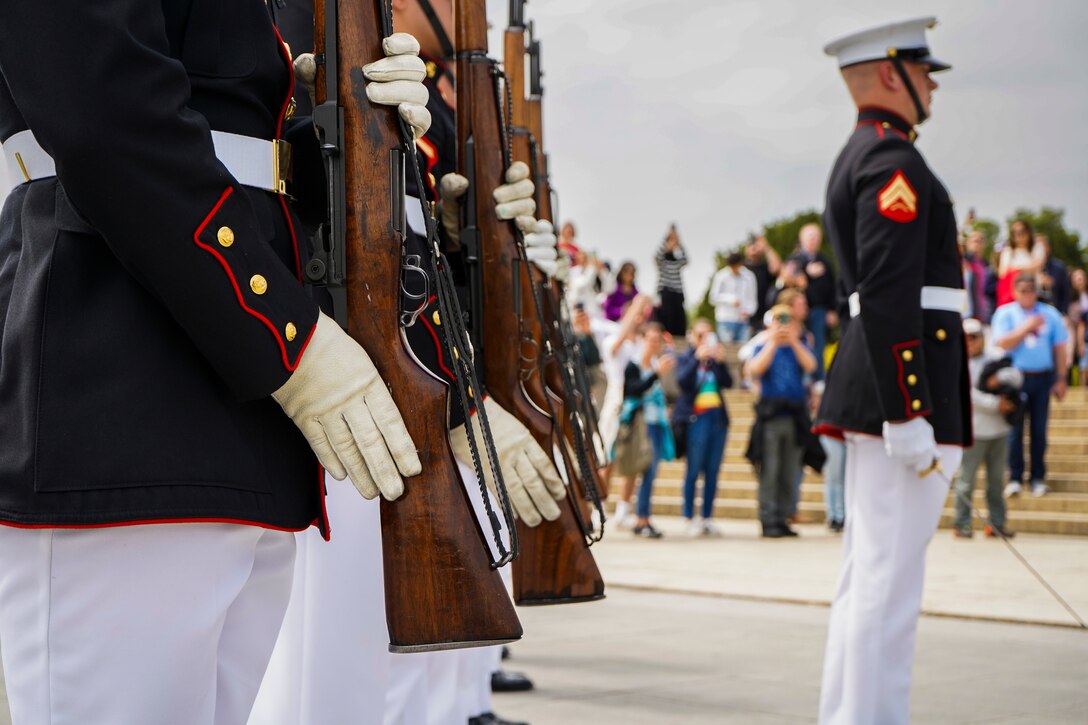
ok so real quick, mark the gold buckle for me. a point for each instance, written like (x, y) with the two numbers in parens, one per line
(281, 165)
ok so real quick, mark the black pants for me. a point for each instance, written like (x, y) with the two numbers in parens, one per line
(671, 313)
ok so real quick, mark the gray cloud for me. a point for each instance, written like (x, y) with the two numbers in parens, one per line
(722, 116)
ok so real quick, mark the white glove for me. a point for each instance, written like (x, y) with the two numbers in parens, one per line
(562, 268)
(397, 80)
(306, 73)
(515, 197)
(540, 243)
(911, 443)
(530, 476)
(452, 187)
(344, 409)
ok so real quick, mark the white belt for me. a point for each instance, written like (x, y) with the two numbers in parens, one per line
(255, 162)
(416, 222)
(948, 299)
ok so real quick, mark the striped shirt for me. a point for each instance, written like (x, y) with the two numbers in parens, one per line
(669, 265)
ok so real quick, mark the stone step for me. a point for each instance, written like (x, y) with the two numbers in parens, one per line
(1074, 480)
(1032, 522)
(1074, 396)
(1060, 445)
(1058, 502)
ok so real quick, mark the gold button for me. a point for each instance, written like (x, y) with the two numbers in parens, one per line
(470, 391)
(226, 236)
(436, 318)
(942, 335)
(908, 355)
(916, 405)
(456, 355)
(291, 106)
(290, 331)
(258, 284)
(912, 380)
(886, 125)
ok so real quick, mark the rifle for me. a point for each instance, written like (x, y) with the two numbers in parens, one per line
(557, 364)
(547, 207)
(555, 564)
(441, 591)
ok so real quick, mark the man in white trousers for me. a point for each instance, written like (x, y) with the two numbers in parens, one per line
(898, 390)
(163, 371)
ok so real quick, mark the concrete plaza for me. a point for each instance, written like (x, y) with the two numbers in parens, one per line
(731, 630)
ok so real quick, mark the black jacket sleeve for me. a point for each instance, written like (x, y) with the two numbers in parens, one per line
(106, 96)
(892, 202)
(634, 385)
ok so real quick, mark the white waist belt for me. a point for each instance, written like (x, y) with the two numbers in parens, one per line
(416, 221)
(948, 299)
(255, 162)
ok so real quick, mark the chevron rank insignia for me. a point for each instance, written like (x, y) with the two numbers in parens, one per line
(898, 201)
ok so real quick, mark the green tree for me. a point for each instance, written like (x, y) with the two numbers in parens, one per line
(782, 236)
(1064, 243)
(782, 233)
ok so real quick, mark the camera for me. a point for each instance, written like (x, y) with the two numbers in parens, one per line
(1008, 382)
(783, 318)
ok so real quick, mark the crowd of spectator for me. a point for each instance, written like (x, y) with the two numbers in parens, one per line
(1025, 322)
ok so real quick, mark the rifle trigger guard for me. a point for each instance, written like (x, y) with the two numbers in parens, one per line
(412, 263)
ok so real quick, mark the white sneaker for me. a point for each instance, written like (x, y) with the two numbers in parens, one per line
(711, 529)
(623, 518)
(1038, 488)
(1013, 489)
(695, 527)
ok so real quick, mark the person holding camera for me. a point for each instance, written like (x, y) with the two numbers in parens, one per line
(701, 414)
(780, 364)
(991, 410)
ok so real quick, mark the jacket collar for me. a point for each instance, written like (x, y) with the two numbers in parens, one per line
(876, 116)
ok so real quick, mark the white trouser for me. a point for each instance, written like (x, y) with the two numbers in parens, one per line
(165, 623)
(439, 688)
(331, 662)
(891, 514)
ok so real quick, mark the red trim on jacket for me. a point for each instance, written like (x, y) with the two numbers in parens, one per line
(896, 352)
(431, 152)
(290, 81)
(437, 344)
(238, 290)
(152, 522)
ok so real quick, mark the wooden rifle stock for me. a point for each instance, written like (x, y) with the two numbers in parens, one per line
(574, 444)
(555, 565)
(440, 589)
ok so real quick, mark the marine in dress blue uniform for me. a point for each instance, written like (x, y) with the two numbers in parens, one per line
(152, 306)
(898, 388)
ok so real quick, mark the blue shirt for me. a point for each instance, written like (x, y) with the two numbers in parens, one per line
(783, 379)
(1035, 354)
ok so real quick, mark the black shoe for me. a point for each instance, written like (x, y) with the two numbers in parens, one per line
(505, 652)
(836, 526)
(490, 718)
(773, 531)
(788, 532)
(503, 681)
(647, 532)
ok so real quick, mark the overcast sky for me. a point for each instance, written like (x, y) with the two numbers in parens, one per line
(723, 115)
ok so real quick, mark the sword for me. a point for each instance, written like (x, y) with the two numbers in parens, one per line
(935, 468)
